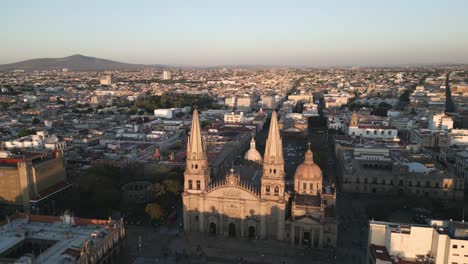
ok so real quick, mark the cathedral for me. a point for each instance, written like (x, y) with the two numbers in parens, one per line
(237, 207)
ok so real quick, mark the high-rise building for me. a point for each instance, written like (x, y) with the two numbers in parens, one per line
(167, 75)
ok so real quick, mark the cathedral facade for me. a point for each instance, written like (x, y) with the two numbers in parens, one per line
(232, 207)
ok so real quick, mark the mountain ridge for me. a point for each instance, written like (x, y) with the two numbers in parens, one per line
(75, 62)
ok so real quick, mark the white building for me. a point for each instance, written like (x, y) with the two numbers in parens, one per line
(168, 112)
(167, 75)
(440, 121)
(41, 140)
(234, 117)
(442, 242)
(372, 131)
(458, 137)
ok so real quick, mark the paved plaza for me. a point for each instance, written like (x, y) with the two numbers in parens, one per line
(170, 245)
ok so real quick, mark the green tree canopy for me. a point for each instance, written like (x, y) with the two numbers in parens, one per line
(154, 211)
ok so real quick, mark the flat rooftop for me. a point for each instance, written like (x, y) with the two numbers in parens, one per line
(67, 233)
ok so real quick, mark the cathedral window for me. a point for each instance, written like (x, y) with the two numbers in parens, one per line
(198, 185)
(276, 190)
(196, 166)
(267, 189)
(190, 186)
(274, 171)
(304, 186)
(311, 187)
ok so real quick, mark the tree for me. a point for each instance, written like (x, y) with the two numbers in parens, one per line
(36, 121)
(133, 110)
(154, 210)
(26, 132)
(172, 186)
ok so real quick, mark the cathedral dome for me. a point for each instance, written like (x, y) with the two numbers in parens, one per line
(252, 154)
(308, 170)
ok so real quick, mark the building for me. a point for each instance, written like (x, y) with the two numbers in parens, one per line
(230, 101)
(461, 164)
(32, 181)
(234, 117)
(306, 98)
(268, 102)
(108, 80)
(458, 137)
(370, 130)
(41, 140)
(378, 170)
(169, 112)
(244, 104)
(440, 122)
(235, 207)
(313, 217)
(167, 75)
(438, 242)
(60, 239)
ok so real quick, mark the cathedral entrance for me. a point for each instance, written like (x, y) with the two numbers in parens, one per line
(232, 230)
(251, 232)
(212, 228)
(306, 240)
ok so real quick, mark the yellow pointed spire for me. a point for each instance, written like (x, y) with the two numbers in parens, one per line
(274, 145)
(195, 145)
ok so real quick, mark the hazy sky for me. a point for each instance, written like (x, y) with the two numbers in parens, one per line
(198, 32)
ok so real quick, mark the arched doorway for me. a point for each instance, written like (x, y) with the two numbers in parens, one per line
(212, 228)
(306, 239)
(251, 232)
(232, 230)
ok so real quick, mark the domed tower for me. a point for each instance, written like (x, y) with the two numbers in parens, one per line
(308, 176)
(196, 174)
(273, 164)
(252, 154)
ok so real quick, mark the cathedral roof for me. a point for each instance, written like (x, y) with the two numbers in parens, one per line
(308, 170)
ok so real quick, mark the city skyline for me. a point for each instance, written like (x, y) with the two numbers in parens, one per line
(209, 33)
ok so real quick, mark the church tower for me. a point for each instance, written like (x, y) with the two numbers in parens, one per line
(196, 176)
(354, 120)
(273, 184)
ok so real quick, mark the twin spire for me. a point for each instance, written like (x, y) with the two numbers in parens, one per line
(274, 145)
(196, 149)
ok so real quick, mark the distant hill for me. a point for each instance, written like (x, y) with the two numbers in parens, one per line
(74, 63)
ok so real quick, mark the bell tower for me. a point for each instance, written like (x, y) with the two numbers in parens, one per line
(196, 176)
(354, 120)
(273, 183)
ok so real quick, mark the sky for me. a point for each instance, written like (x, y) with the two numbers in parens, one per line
(257, 32)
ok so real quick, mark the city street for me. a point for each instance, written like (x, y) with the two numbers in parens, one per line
(352, 220)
